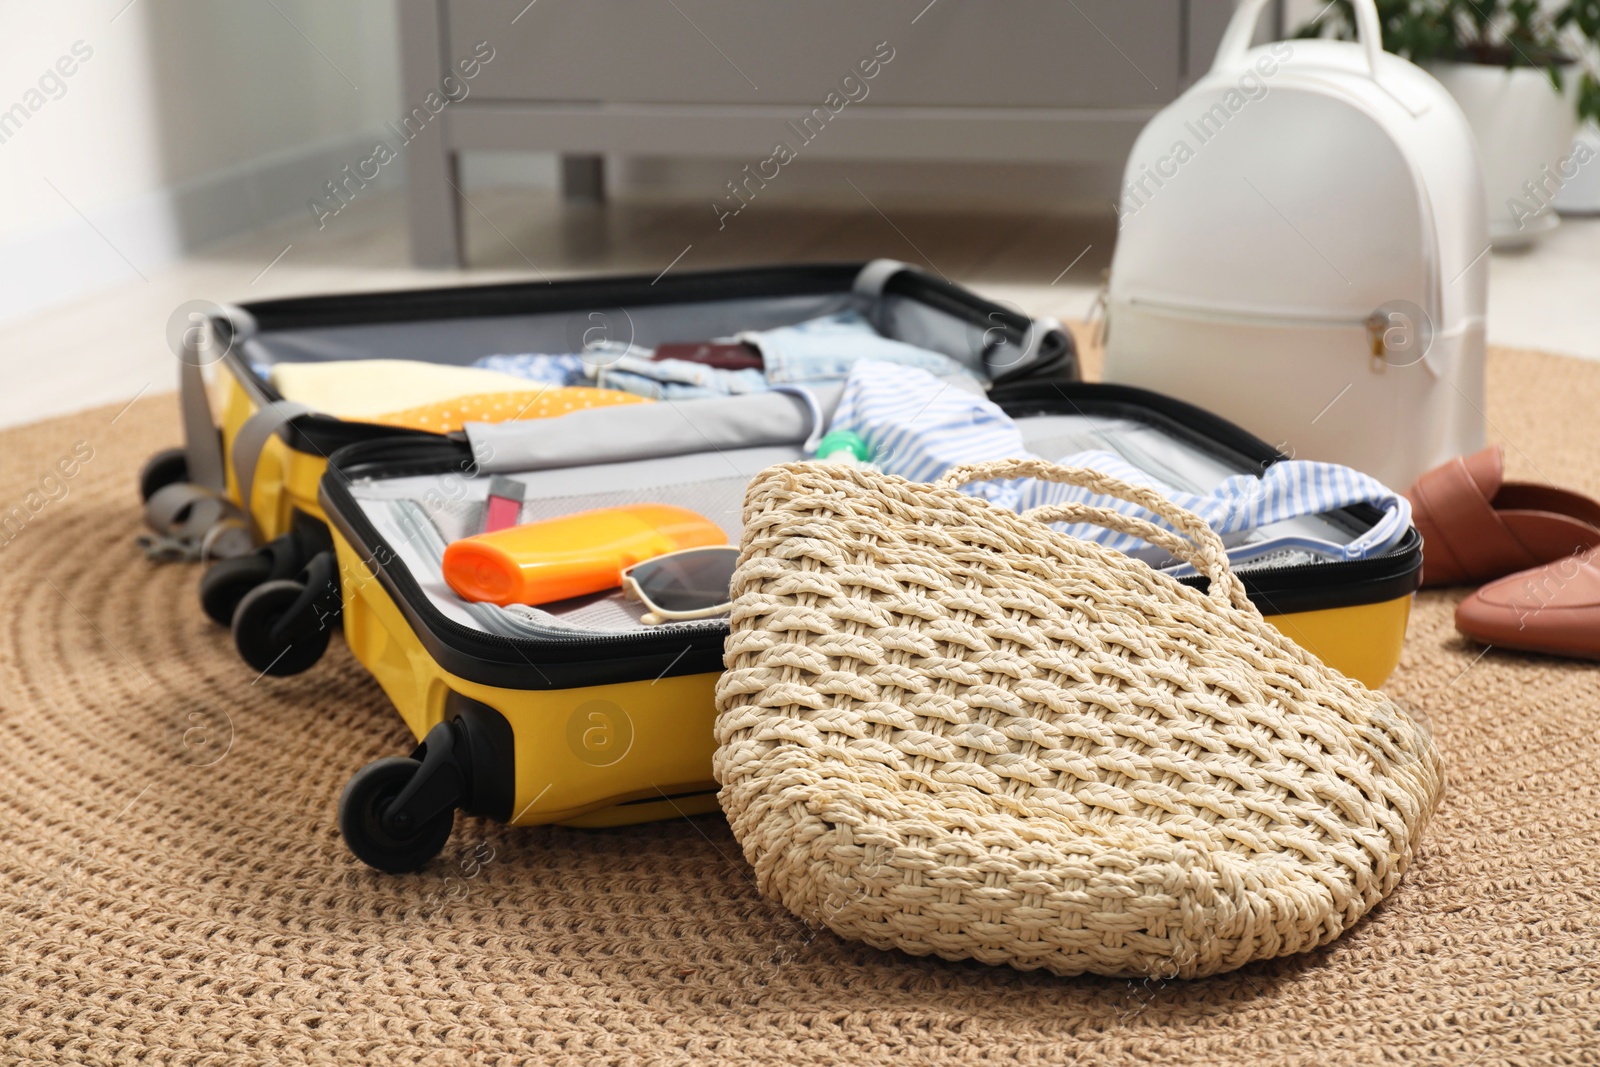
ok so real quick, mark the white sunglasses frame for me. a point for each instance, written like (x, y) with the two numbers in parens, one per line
(655, 614)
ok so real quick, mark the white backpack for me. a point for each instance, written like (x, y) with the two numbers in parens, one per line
(1303, 250)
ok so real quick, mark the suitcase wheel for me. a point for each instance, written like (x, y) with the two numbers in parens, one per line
(383, 838)
(226, 583)
(275, 634)
(167, 467)
(282, 627)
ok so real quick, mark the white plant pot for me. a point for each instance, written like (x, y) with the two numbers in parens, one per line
(1581, 196)
(1525, 131)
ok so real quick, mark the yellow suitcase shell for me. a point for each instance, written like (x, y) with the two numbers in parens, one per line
(286, 479)
(604, 755)
(641, 748)
(637, 751)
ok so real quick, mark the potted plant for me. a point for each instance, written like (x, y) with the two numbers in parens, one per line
(1520, 71)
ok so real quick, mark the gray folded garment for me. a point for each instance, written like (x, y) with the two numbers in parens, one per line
(784, 415)
(649, 431)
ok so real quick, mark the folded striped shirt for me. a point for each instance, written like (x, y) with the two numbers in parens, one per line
(919, 427)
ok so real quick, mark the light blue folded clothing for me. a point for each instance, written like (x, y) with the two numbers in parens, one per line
(673, 379)
(824, 349)
(919, 427)
(538, 367)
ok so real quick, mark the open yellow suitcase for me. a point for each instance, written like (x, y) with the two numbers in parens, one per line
(252, 460)
(579, 714)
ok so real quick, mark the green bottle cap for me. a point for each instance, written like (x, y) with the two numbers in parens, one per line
(836, 441)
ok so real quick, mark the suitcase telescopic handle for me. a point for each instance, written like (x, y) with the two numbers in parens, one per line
(1236, 39)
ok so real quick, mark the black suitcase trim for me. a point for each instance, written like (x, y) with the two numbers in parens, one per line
(323, 434)
(561, 663)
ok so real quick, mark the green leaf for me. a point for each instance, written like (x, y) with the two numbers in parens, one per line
(1589, 98)
(1515, 33)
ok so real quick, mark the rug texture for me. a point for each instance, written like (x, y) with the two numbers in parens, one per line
(173, 888)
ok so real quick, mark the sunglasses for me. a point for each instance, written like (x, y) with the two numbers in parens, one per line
(678, 586)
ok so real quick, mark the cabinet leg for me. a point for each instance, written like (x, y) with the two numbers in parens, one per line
(583, 179)
(435, 206)
(432, 201)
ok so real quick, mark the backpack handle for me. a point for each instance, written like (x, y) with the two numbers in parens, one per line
(1242, 27)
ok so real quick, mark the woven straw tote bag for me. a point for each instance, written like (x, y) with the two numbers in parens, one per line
(951, 729)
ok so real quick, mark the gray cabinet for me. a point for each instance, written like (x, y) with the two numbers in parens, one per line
(997, 80)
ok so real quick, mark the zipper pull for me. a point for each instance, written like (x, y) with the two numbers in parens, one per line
(1377, 326)
(1098, 324)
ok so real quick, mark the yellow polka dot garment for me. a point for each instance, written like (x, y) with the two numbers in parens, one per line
(447, 416)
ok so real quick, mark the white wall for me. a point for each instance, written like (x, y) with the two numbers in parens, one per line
(189, 120)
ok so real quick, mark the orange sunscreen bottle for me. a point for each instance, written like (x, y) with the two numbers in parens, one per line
(539, 562)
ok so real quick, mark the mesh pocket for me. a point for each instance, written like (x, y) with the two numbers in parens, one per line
(718, 499)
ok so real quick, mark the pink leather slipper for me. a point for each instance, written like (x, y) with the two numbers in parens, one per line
(1553, 609)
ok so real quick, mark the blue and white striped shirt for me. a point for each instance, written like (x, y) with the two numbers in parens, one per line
(919, 427)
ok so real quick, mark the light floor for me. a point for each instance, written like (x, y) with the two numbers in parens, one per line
(112, 346)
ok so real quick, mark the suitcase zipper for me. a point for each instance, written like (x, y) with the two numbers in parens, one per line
(1397, 570)
(697, 649)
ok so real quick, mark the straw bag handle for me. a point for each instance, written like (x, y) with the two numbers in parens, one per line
(1200, 547)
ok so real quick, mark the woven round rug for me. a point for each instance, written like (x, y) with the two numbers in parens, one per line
(173, 888)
